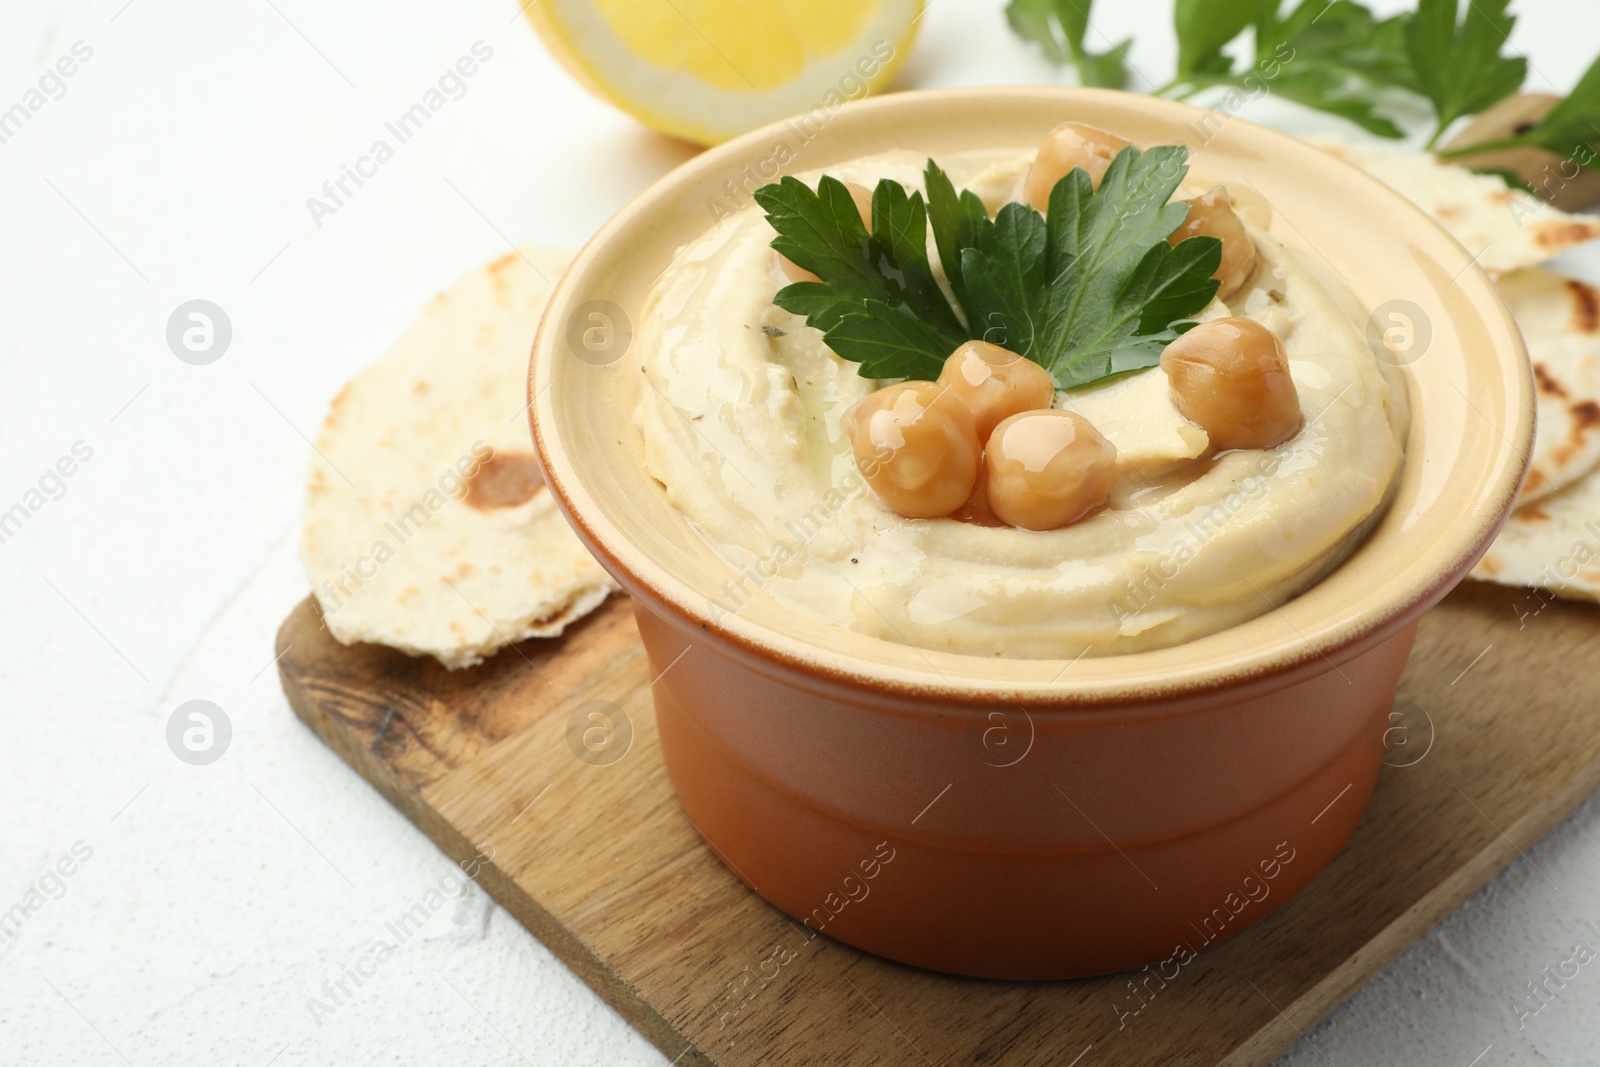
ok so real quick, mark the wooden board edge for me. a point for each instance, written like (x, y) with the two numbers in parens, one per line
(1392, 942)
(533, 917)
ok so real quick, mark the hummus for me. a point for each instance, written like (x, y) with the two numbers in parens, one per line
(739, 414)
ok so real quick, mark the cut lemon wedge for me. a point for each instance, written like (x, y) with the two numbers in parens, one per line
(707, 70)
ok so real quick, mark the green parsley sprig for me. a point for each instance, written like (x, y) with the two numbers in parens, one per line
(1089, 289)
(1059, 27)
(1570, 129)
(1333, 57)
(1339, 58)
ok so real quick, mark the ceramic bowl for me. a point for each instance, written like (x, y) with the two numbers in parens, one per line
(1021, 818)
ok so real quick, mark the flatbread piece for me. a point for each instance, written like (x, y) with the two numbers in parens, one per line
(428, 527)
(1503, 228)
(1552, 543)
(1560, 322)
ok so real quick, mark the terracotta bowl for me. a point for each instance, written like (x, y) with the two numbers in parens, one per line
(1020, 818)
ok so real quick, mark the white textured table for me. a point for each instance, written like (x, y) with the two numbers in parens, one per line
(210, 911)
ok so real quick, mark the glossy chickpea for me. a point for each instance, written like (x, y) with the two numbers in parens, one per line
(1069, 145)
(863, 198)
(1212, 215)
(916, 446)
(995, 383)
(1231, 376)
(1047, 469)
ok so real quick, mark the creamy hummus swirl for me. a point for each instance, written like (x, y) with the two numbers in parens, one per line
(739, 411)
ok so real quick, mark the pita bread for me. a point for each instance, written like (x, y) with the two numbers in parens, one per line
(1553, 543)
(428, 527)
(1560, 321)
(1504, 229)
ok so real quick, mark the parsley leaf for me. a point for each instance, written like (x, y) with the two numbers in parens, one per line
(1570, 129)
(1340, 36)
(1331, 56)
(1459, 67)
(1203, 28)
(1006, 279)
(1324, 89)
(1115, 285)
(1573, 125)
(957, 221)
(1058, 27)
(1092, 288)
(880, 304)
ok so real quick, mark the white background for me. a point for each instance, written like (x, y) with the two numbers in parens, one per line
(218, 899)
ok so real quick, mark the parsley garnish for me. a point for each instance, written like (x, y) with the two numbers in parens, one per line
(1059, 26)
(1459, 67)
(1569, 130)
(878, 303)
(1203, 27)
(1336, 56)
(1573, 124)
(1089, 289)
(1333, 57)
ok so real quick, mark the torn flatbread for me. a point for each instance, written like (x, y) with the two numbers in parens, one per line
(1502, 228)
(428, 527)
(1560, 321)
(1552, 543)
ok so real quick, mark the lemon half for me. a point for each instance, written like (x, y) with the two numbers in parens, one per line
(706, 70)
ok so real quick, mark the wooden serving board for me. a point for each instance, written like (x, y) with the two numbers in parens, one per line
(594, 857)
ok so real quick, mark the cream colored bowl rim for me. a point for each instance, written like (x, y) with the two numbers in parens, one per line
(1387, 582)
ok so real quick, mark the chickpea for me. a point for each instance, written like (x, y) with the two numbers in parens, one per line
(863, 198)
(1069, 145)
(916, 446)
(1231, 376)
(996, 383)
(1212, 215)
(1047, 469)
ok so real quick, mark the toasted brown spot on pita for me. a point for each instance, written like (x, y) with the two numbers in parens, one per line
(504, 481)
(1585, 307)
(1533, 513)
(1586, 414)
(420, 388)
(502, 263)
(1545, 383)
(1558, 235)
(1489, 565)
(464, 570)
(1450, 211)
(1503, 196)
